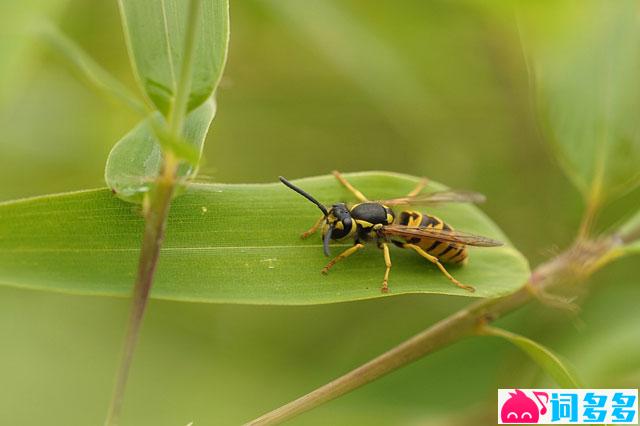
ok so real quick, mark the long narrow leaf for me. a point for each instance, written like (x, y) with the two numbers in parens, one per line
(546, 359)
(585, 57)
(90, 69)
(155, 32)
(234, 244)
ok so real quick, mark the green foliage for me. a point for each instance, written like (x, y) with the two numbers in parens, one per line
(546, 359)
(17, 20)
(155, 31)
(194, 36)
(369, 61)
(156, 34)
(586, 61)
(89, 69)
(135, 161)
(87, 242)
(234, 244)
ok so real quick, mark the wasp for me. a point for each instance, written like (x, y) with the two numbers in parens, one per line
(375, 221)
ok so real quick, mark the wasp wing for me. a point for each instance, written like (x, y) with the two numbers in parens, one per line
(445, 235)
(450, 196)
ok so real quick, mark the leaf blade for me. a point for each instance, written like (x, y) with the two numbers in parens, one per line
(155, 32)
(541, 355)
(584, 65)
(89, 69)
(231, 244)
(135, 161)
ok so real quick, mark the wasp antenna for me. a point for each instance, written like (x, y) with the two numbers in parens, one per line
(305, 195)
(325, 241)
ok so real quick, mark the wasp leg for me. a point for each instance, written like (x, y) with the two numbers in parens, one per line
(359, 195)
(313, 229)
(419, 187)
(387, 262)
(435, 261)
(348, 252)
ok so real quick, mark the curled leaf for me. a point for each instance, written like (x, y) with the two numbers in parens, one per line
(135, 161)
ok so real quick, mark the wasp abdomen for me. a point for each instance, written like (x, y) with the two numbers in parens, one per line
(445, 252)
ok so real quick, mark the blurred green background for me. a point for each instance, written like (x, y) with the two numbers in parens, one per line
(435, 89)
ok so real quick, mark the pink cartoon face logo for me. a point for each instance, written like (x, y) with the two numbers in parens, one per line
(519, 408)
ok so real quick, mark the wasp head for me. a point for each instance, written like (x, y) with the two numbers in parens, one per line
(338, 225)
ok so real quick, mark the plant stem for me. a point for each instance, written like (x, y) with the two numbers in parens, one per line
(156, 218)
(593, 202)
(178, 110)
(155, 226)
(449, 330)
(630, 235)
(585, 257)
(589, 217)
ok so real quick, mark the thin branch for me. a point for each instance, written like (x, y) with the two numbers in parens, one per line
(580, 260)
(631, 235)
(178, 110)
(589, 217)
(152, 242)
(156, 220)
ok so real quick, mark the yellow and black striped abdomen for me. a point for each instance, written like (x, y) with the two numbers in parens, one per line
(445, 252)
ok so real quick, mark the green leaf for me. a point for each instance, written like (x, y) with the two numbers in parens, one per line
(234, 244)
(546, 359)
(155, 32)
(89, 68)
(586, 61)
(135, 161)
(17, 47)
